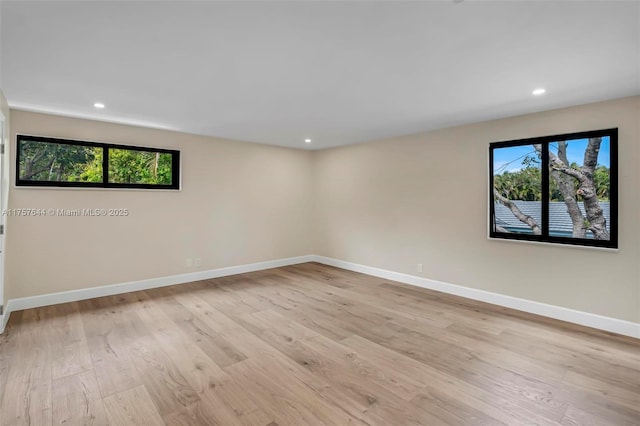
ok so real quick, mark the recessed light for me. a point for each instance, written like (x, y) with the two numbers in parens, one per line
(539, 92)
(99, 105)
(307, 141)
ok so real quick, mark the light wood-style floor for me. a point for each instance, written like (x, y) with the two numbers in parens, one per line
(309, 345)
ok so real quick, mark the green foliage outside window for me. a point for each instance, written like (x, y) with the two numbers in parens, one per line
(129, 166)
(525, 184)
(42, 161)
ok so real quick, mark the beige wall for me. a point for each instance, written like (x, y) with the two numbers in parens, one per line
(240, 203)
(423, 199)
(4, 187)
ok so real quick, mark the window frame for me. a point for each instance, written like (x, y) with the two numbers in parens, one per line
(612, 243)
(175, 165)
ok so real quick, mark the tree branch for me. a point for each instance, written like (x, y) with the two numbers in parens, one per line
(557, 164)
(566, 186)
(586, 186)
(591, 156)
(501, 229)
(588, 191)
(518, 213)
(28, 175)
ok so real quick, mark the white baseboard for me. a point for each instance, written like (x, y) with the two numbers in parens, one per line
(109, 290)
(613, 325)
(600, 322)
(3, 322)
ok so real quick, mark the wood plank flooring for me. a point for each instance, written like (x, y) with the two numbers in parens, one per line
(309, 345)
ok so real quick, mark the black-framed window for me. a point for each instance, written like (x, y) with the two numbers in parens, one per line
(558, 189)
(55, 162)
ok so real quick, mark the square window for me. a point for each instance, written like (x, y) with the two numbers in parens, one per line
(558, 189)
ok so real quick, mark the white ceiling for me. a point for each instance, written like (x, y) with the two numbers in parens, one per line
(335, 72)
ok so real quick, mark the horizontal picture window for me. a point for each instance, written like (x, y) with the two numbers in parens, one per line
(51, 162)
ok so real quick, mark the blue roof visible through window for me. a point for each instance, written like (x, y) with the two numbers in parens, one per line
(559, 220)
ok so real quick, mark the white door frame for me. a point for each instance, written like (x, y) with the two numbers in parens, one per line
(3, 164)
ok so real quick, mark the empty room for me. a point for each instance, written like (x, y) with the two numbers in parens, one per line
(273, 213)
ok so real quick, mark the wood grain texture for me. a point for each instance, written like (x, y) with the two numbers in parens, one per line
(309, 345)
(132, 407)
(77, 400)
